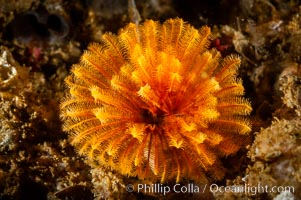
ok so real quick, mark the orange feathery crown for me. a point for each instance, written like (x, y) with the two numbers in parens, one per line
(155, 103)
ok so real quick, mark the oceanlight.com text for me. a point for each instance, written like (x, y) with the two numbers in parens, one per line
(250, 189)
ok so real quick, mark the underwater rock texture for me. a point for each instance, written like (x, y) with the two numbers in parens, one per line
(276, 155)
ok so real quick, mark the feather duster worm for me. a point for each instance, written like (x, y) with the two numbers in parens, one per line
(155, 103)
